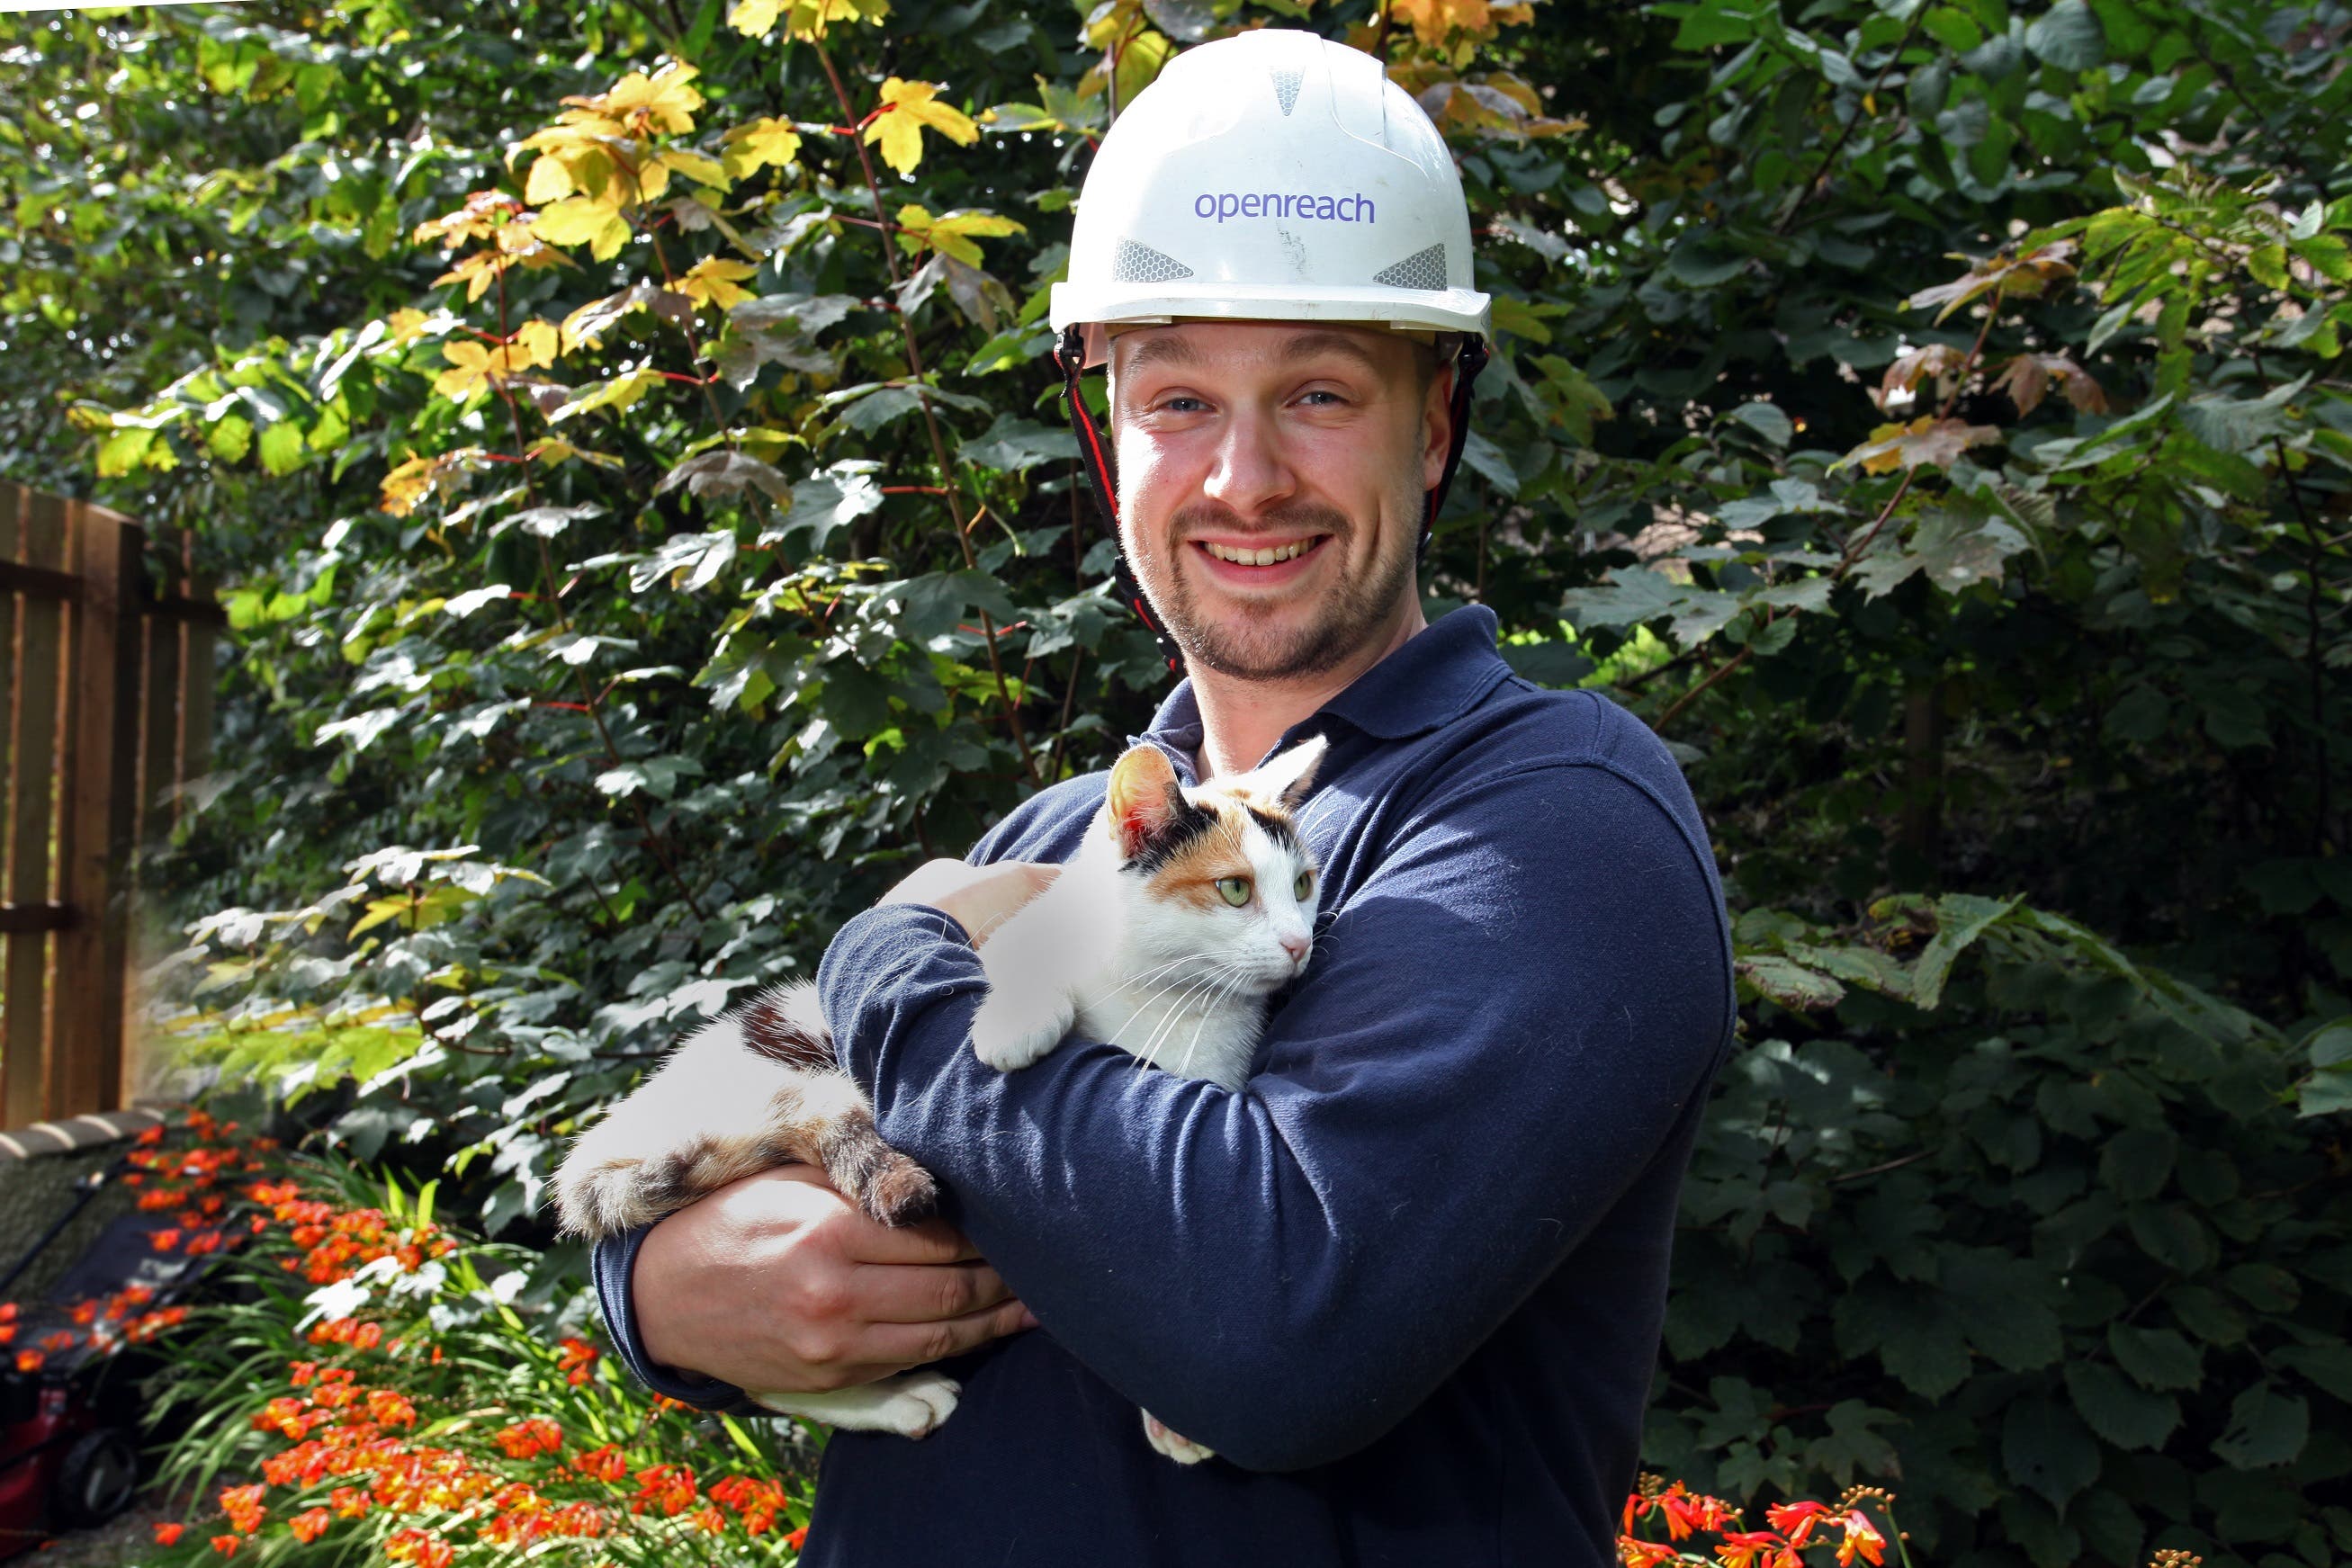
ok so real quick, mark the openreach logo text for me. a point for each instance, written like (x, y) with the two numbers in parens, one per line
(1223, 205)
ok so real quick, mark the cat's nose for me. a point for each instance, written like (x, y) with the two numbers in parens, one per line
(1296, 946)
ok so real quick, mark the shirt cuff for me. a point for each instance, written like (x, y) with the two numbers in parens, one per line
(615, 1260)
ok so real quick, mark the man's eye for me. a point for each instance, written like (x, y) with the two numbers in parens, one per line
(1329, 399)
(1235, 889)
(1182, 405)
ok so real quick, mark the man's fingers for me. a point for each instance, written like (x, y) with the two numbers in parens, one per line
(932, 1241)
(913, 1345)
(895, 1293)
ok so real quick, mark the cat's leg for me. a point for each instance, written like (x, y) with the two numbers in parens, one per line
(911, 1403)
(1183, 1450)
(1021, 1022)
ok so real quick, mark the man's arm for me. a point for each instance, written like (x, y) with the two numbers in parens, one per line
(1497, 1036)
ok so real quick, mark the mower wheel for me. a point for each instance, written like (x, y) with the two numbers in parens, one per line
(95, 1481)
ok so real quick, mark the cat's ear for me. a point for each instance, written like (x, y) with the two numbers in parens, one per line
(1286, 779)
(1145, 800)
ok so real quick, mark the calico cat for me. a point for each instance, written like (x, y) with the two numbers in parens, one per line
(1181, 912)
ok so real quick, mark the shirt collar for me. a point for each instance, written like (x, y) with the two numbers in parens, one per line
(1435, 678)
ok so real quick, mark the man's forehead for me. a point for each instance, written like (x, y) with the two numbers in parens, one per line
(1200, 343)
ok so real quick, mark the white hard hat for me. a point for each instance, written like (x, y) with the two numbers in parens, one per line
(1274, 175)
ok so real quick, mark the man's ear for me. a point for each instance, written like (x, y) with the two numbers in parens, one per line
(1288, 778)
(1145, 800)
(1437, 425)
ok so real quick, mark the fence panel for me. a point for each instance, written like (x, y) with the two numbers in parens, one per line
(105, 710)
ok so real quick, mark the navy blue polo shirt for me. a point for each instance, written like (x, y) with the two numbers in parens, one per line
(1408, 1281)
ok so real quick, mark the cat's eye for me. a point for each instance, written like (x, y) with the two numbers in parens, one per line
(1236, 890)
(1303, 886)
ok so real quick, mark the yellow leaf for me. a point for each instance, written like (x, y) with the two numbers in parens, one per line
(694, 166)
(469, 368)
(551, 451)
(804, 19)
(713, 282)
(761, 144)
(535, 344)
(909, 107)
(620, 392)
(754, 18)
(647, 107)
(550, 181)
(405, 326)
(1432, 20)
(952, 234)
(577, 220)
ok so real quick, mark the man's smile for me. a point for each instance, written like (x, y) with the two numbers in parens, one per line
(1259, 562)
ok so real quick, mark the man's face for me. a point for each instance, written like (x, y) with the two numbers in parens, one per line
(1271, 478)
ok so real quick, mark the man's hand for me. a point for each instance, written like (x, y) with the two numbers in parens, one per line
(979, 896)
(780, 1284)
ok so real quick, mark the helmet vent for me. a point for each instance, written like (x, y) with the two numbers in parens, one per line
(1285, 89)
(1136, 263)
(1421, 269)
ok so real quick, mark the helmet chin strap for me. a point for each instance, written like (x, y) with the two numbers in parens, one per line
(1070, 353)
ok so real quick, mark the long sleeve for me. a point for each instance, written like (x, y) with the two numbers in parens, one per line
(1502, 1028)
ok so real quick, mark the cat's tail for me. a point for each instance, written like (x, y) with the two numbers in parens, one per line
(755, 1088)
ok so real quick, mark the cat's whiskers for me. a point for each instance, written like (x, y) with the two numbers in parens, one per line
(1219, 985)
(1149, 1055)
(1192, 1046)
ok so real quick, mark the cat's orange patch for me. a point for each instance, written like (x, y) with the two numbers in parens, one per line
(1190, 875)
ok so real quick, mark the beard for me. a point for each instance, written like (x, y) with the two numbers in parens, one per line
(1248, 641)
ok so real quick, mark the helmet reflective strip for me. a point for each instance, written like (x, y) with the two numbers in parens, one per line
(1421, 269)
(1285, 89)
(1136, 263)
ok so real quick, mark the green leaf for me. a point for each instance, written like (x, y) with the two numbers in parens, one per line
(281, 448)
(2327, 1365)
(2121, 1413)
(2266, 1428)
(2068, 36)
(1015, 445)
(2138, 1162)
(2044, 1449)
(1960, 919)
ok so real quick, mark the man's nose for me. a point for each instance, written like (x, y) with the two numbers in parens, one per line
(1296, 944)
(1250, 473)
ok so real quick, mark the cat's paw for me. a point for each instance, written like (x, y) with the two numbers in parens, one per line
(912, 1403)
(1009, 1038)
(1182, 1449)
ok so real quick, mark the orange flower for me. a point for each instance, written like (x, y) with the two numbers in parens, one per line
(529, 1439)
(225, 1546)
(1631, 1552)
(30, 1360)
(349, 1503)
(575, 1359)
(1862, 1539)
(1796, 1520)
(164, 1240)
(1748, 1548)
(243, 1506)
(310, 1524)
(605, 1464)
(796, 1538)
(168, 1531)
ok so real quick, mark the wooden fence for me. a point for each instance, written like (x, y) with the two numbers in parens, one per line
(106, 680)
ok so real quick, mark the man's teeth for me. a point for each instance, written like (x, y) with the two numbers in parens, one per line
(1259, 556)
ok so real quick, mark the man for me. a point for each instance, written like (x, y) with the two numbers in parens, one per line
(1408, 1281)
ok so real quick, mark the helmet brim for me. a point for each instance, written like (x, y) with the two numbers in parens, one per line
(1431, 309)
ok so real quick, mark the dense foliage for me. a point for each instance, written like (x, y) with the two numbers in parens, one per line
(623, 432)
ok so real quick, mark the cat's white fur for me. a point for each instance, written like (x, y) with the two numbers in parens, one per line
(1178, 984)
